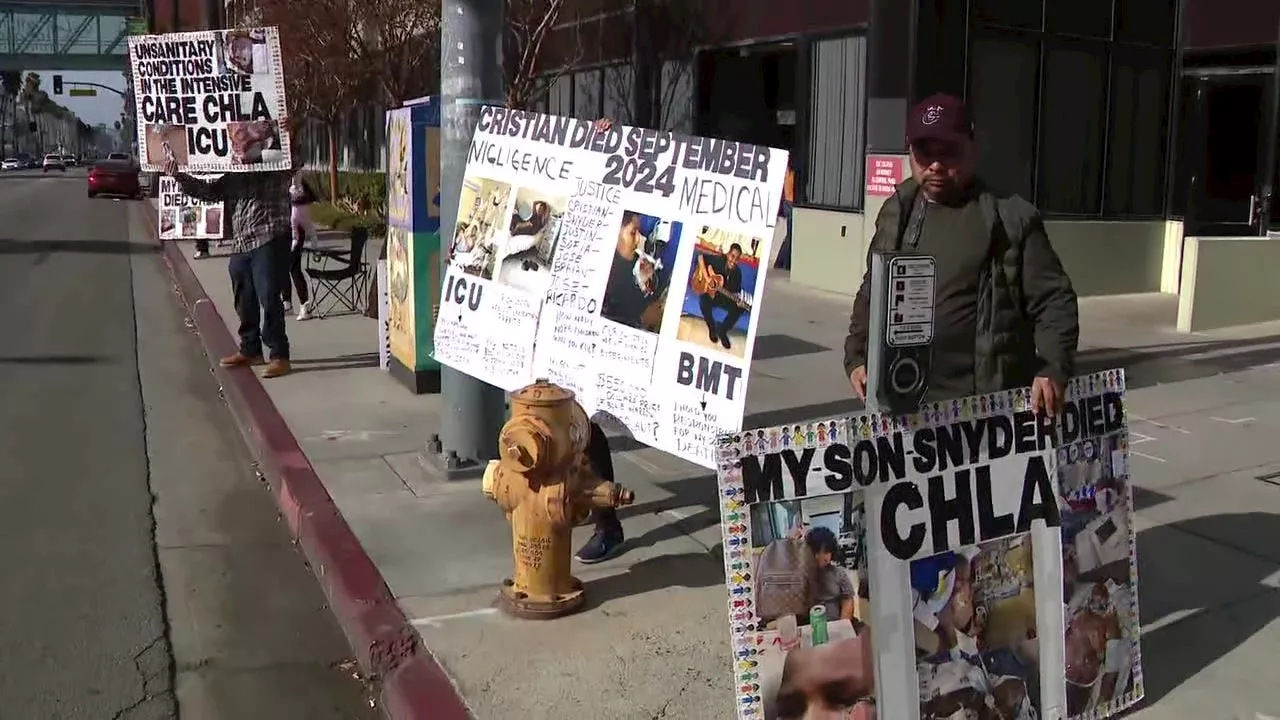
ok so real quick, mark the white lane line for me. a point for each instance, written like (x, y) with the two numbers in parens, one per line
(1237, 421)
(1137, 438)
(1149, 457)
(1172, 618)
(436, 620)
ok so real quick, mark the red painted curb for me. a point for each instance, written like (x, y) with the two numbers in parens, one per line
(413, 685)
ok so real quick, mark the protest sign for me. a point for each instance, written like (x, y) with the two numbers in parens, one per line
(213, 101)
(622, 264)
(998, 548)
(183, 217)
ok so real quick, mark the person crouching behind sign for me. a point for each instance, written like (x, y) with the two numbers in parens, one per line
(258, 213)
(1005, 313)
(607, 539)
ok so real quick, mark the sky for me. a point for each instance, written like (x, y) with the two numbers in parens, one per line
(105, 108)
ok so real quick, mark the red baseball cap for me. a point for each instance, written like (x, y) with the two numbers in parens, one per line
(940, 117)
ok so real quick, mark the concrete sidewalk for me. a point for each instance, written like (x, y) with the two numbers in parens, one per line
(652, 643)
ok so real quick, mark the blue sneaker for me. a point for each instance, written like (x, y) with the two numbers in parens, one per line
(603, 545)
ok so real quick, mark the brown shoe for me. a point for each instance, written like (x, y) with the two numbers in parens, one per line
(277, 368)
(240, 360)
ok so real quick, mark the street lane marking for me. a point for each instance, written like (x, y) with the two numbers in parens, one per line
(1237, 421)
(1137, 438)
(1149, 457)
(436, 620)
(1172, 618)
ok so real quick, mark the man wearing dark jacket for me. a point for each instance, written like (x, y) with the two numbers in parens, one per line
(1005, 313)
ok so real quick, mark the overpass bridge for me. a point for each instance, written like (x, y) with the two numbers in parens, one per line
(68, 34)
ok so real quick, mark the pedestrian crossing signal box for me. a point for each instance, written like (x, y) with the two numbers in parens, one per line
(57, 84)
(900, 331)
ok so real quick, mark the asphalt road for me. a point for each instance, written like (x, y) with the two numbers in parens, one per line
(143, 570)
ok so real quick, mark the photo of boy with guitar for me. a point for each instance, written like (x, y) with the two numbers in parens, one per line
(719, 295)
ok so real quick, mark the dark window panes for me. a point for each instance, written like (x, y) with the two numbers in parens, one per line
(1073, 116)
(1137, 132)
(836, 132)
(1151, 22)
(1013, 13)
(1089, 18)
(1002, 91)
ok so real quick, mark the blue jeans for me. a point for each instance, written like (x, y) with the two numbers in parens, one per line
(255, 286)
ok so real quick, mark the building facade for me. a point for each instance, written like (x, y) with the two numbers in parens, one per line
(1129, 123)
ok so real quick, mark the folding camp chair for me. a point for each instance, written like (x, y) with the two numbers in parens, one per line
(339, 277)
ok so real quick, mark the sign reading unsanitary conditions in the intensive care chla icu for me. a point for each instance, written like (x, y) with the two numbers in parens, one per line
(624, 263)
(213, 101)
(968, 560)
(182, 217)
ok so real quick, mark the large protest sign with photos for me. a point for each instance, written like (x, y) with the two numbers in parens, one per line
(183, 217)
(624, 264)
(213, 101)
(992, 553)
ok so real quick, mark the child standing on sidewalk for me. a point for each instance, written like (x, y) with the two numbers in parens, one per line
(301, 195)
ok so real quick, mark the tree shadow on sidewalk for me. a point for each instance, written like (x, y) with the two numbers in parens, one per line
(688, 570)
(1210, 584)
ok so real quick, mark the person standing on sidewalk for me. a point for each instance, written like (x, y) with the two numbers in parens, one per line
(301, 196)
(1005, 313)
(257, 206)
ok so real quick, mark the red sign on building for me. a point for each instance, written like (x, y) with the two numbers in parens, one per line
(884, 172)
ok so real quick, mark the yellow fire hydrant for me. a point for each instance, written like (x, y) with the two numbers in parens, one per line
(545, 485)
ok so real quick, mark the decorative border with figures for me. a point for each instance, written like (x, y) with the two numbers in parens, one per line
(746, 638)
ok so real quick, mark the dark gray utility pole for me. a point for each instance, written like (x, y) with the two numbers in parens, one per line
(470, 77)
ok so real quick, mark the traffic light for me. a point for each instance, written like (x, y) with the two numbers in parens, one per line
(57, 84)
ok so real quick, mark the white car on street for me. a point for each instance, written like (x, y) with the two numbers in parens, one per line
(11, 164)
(53, 162)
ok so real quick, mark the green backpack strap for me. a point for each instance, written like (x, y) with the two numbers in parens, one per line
(993, 213)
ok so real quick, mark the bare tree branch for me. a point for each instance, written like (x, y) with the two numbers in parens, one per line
(529, 24)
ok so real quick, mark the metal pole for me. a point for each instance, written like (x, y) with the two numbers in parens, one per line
(1268, 209)
(471, 76)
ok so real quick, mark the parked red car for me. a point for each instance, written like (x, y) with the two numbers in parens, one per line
(115, 177)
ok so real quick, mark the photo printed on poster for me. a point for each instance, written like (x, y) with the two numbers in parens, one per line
(621, 263)
(182, 217)
(999, 542)
(796, 573)
(212, 101)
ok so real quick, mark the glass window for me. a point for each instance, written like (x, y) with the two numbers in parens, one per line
(1150, 22)
(619, 93)
(1137, 130)
(1013, 13)
(586, 94)
(675, 98)
(560, 96)
(1073, 126)
(1089, 18)
(836, 132)
(1002, 91)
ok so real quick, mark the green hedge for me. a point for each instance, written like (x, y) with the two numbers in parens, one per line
(362, 200)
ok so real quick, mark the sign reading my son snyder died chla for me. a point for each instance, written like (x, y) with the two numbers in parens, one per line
(213, 101)
(975, 560)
